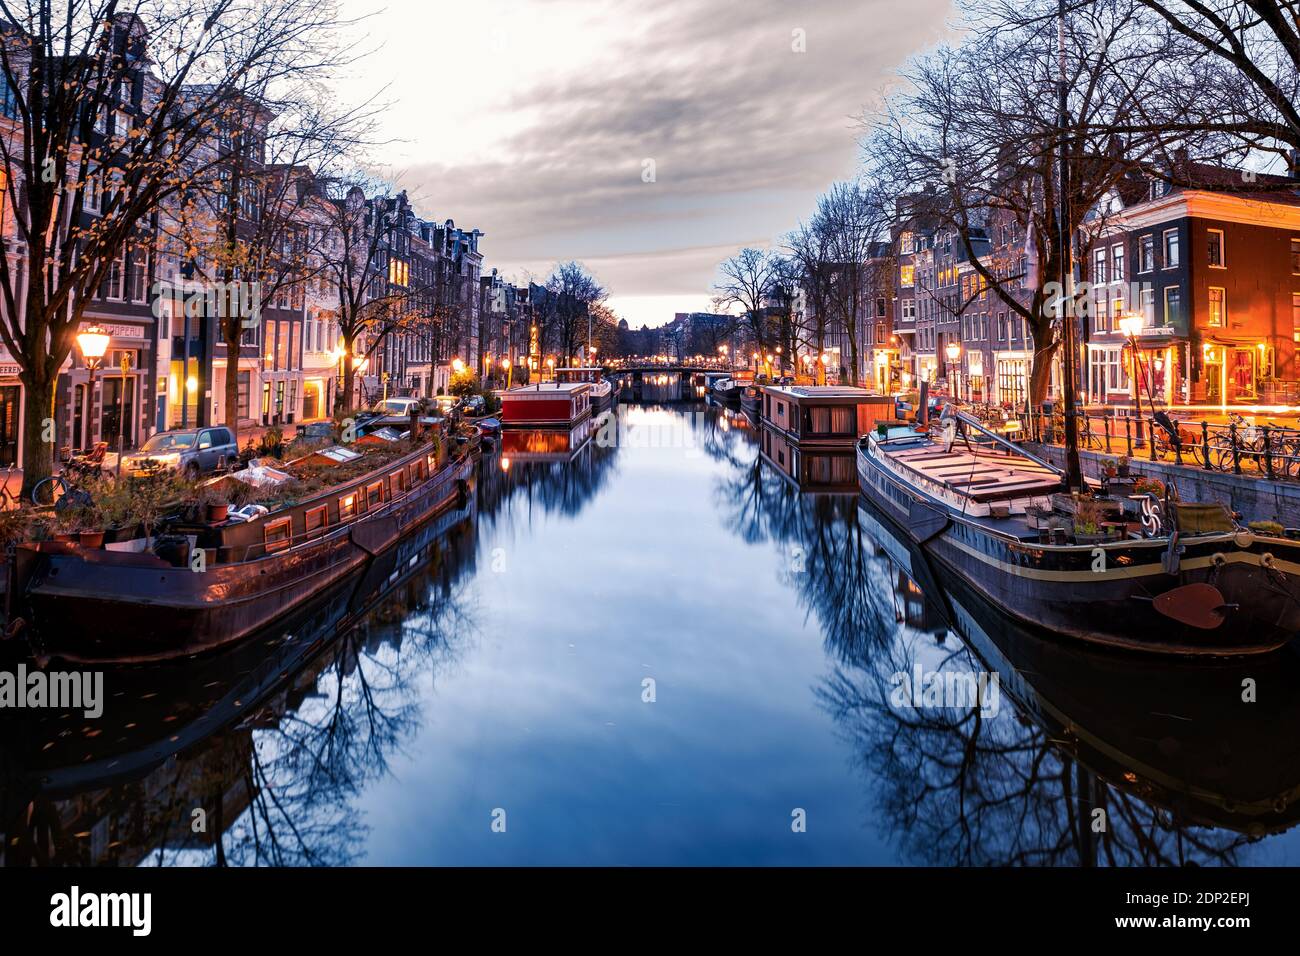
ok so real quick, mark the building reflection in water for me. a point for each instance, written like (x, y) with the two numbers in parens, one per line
(1091, 759)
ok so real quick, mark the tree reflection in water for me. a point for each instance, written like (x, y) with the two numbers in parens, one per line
(949, 786)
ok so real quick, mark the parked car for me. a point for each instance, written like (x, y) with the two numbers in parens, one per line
(475, 405)
(447, 404)
(191, 451)
(398, 406)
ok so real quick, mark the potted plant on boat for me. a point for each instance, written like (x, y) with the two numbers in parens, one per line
(1088, 516)
(1122, 466)
(1109, 468)
(214, 502)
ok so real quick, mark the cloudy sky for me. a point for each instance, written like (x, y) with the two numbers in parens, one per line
(539, 122)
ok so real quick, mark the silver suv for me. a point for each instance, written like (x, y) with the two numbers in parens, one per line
(191, 451)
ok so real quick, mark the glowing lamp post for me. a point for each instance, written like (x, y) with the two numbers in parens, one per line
(1130, 324)
(505, 364)
(953, 351)
(93, 343)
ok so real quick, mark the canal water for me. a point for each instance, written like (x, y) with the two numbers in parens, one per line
(643, 645)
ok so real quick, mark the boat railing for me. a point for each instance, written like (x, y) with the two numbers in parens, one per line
(234, 554)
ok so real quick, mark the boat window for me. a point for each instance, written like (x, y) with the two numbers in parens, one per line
(347, 507)
(397, 481)
(433, 462)
(421, 470)
(375, 493)
(276, 535)
(316, 519)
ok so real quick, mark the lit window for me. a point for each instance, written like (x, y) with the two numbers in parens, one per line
(1218, 308)
(347, 507)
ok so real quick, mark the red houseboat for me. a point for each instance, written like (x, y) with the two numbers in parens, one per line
(546, 405)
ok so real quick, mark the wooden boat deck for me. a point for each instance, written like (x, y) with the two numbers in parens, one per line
(982, 476)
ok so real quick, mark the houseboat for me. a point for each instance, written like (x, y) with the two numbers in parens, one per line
(1183, 581)
(546, 405)
(809, 433)
(1113, 711)
(602, 391)
(164, 600)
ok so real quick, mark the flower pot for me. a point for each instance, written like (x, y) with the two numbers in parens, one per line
(1123, 471)
(217, 513)
(67, 537)
(91, 539)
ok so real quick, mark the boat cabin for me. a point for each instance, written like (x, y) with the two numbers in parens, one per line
(546, 404)
(822, 415)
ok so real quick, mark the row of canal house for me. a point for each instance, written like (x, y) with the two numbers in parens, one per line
(166, 368)
(1213, 271)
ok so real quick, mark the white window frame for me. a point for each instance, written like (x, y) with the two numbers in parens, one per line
(1164, 249)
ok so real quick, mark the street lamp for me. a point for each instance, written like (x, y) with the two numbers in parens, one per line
(550, 363)
(953, 351)
(94, 343)
(505, 364)
(1130, 324)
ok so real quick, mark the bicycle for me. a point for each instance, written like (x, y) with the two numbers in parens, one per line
(8, 500)
(79, 469)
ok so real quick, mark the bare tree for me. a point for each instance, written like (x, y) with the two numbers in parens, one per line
(572, 291)
(246, 220)
(808, 255)
(108, 102)
(370, 308)
(747, 281)
(974, 140)
(855, 220)
(1246, 57)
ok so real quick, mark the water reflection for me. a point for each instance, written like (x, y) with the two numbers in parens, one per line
(252, 755)
(1094, 759)
(383, 723)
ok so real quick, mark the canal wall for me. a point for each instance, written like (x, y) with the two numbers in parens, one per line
(1258, 499)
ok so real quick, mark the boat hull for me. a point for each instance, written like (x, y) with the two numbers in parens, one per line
(102, 606)
(1105, 594)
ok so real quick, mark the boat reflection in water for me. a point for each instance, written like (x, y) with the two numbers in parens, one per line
(1102, 759)
(251, 754)
(1074, 756)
